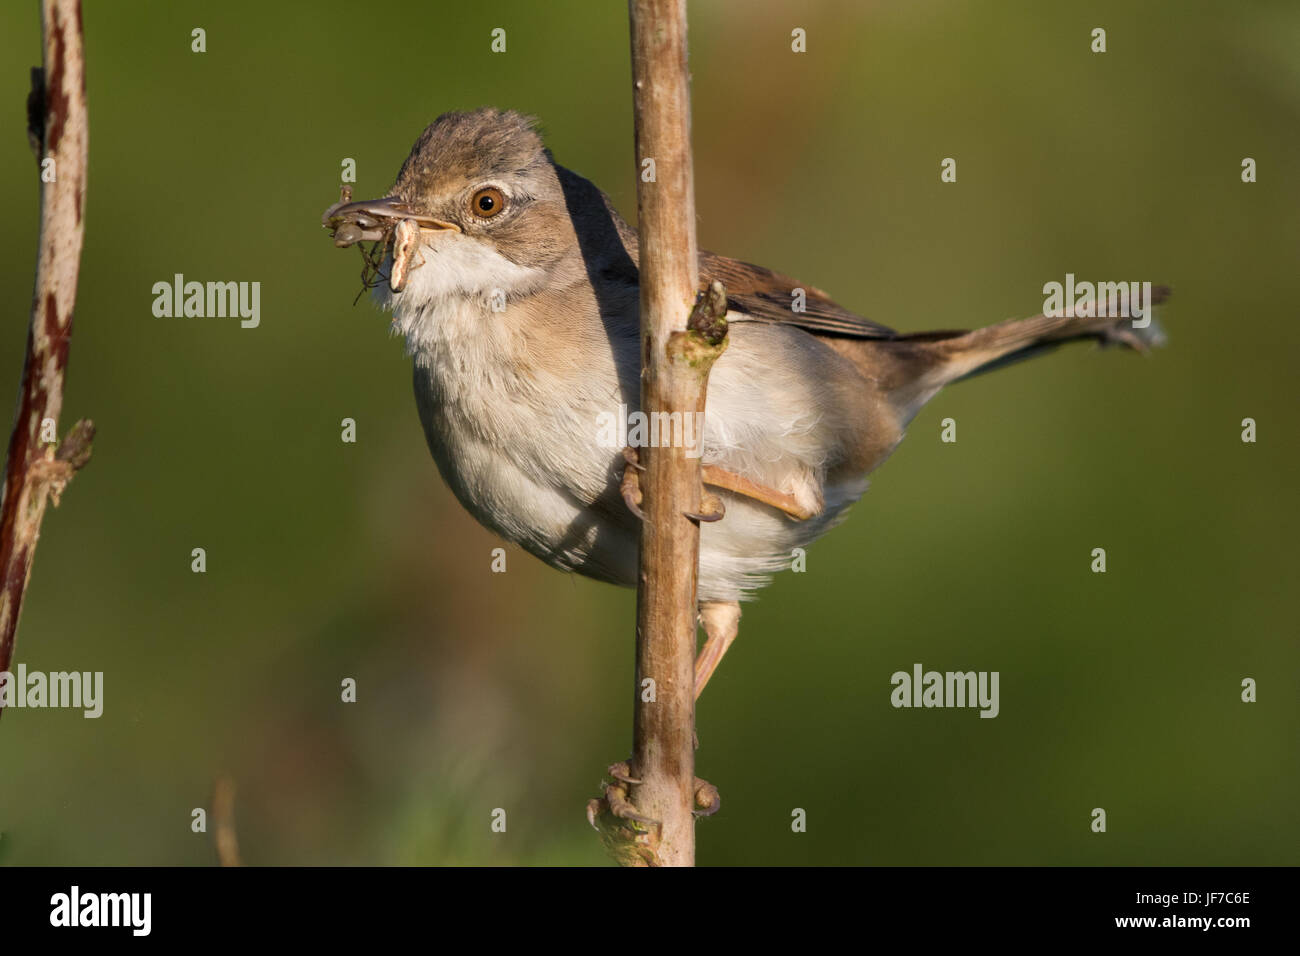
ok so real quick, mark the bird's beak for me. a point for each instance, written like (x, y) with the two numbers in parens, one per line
(374, 219)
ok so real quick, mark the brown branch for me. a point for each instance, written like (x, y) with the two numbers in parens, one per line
(35, 470)
(674, 376)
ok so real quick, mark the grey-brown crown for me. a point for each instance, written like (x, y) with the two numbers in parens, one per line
(462, 148)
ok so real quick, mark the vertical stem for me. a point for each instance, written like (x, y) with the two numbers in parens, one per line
(663, 747)
(58, 129)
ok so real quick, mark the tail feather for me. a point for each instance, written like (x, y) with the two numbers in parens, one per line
(946, 357)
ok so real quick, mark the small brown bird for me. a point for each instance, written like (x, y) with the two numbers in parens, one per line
(514, 282)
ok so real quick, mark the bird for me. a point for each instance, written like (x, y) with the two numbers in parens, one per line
(514, 283)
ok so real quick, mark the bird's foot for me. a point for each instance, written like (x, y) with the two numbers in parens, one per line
(707, 799)
(630, 837)
(615, 800)
(711, 506)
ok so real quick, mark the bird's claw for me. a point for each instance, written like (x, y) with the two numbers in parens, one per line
(622, 772)
(615, 800)
(631, 838)
(711, 506)
(630, 486)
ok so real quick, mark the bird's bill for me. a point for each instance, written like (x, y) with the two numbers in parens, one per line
(374, 219)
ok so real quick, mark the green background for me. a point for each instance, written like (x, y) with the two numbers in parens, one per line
(478, 690)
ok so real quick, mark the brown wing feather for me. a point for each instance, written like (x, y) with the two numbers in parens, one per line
(766, 296)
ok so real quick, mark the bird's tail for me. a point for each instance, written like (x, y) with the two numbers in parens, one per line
(930, 360)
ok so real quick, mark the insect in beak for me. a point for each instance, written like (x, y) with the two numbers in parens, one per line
(383, 222)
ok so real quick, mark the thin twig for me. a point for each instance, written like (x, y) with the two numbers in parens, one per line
(674, 378)
(35, 469)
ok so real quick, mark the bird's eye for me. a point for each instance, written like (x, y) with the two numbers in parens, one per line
(487, 202)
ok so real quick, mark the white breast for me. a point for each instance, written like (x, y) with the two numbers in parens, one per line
(520, 451)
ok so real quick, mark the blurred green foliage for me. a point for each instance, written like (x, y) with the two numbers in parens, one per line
(480, 690)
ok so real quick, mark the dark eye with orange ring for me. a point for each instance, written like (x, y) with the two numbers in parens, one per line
(487, 202)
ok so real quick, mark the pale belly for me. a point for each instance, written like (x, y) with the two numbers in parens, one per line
(535, 472)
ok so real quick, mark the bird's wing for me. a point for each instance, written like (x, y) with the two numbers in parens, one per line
(766, 296)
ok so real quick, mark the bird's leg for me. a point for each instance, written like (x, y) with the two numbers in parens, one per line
(629, 835)
(632, 839)
(721, 620)
(711, 507)
(739, 484)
